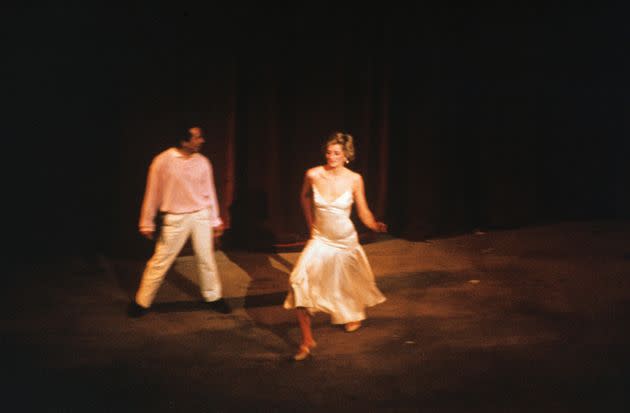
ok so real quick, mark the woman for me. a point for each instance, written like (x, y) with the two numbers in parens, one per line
(333, 274)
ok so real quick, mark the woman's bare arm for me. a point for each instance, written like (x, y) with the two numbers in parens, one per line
(365, 215)
(306, 195)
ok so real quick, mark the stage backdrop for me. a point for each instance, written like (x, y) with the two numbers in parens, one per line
(464, 117)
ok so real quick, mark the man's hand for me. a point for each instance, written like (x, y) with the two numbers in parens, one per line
(148, 234)
(217, 231)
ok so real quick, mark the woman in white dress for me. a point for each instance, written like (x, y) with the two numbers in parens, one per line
(333, 274)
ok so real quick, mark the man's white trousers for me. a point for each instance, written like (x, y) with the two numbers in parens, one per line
(176, 229)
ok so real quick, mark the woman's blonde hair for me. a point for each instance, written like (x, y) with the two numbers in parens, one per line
(345, 140)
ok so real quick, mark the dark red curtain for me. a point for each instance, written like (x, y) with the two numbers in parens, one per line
(465, 118)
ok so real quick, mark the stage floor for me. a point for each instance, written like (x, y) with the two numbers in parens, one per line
(525, 320)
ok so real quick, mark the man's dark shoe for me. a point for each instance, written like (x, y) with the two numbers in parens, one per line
(136, 311)
(220, 306)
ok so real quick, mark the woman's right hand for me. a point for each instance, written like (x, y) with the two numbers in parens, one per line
(148, 234)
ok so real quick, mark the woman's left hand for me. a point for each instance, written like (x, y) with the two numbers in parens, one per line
(380, 227)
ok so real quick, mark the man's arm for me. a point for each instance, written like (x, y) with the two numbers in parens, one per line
(151, 201)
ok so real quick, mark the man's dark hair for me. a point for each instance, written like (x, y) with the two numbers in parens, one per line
(177, 142)
(185, 137)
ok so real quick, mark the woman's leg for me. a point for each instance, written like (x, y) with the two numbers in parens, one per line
(304, 319)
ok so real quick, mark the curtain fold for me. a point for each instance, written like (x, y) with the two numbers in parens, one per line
(458, 125)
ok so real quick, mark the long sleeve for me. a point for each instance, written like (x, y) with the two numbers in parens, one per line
(215, 216)
(152, 198)
(179, 184)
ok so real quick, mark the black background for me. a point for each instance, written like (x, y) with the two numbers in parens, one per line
(493, 115)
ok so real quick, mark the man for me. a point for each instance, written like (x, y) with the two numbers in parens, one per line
(180, 184)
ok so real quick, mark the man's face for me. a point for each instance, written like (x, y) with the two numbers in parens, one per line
(196, 140)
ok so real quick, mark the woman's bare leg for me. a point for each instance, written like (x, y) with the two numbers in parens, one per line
(304, 319)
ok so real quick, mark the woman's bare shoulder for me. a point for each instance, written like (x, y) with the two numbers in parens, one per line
(314, 172)
(355, 177)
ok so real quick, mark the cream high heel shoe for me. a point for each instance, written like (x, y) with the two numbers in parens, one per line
(352, 326)
(304, 352)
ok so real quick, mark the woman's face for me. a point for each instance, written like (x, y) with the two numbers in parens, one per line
(335, 156)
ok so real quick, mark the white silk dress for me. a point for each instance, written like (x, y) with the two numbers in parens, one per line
(333, 274)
